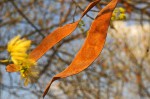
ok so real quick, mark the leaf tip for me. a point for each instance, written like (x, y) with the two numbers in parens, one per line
(48, 86)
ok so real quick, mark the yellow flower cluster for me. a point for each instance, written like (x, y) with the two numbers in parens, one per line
(17, 49)
(118, 14)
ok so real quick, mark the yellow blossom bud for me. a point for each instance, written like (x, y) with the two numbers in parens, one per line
(122, 16)
(122, 10)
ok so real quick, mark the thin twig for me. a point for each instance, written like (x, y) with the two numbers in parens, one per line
(26, 18)
(82, 10)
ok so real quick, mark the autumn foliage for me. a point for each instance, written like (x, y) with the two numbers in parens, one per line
(42, 41)
(91, 48)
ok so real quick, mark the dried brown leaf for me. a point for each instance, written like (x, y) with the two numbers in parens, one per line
(92, 46)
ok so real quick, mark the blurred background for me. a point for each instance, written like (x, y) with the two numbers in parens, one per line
(122, 71)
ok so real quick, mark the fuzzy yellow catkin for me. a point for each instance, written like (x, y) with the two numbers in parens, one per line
(17, 48)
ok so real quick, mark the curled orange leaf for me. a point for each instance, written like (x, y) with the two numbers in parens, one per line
(92, 46)
(57, 35)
